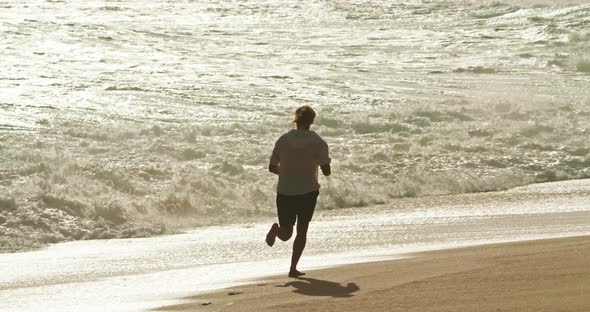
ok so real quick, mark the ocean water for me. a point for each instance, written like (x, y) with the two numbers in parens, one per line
(168, 110)
(147, 273)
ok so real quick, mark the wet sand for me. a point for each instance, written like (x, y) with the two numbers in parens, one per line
(541, 275)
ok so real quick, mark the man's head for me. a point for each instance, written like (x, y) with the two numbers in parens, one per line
(304, 116)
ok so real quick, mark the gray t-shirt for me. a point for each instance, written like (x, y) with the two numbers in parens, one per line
(299, 154)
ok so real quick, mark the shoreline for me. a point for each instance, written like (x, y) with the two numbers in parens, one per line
(534, 275)
(63, 227)
(143, 274)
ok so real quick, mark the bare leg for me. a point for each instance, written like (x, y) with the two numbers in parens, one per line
(282, 232)
(285, 233)
(298, 246)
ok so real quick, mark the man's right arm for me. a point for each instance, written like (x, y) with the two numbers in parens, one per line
(326, 170)
(324, 158)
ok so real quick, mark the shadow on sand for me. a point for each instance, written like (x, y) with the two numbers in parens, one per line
(315, 287)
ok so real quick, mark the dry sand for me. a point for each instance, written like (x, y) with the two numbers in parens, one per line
(543, 275)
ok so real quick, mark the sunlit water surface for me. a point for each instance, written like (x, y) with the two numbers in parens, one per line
(172, 107)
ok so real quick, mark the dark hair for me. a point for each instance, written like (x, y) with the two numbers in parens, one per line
(304, 115)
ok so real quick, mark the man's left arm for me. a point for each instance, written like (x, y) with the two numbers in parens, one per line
(276, 169)
(274, 165)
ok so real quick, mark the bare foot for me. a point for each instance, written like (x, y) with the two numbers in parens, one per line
(272, 234)
(295, 273)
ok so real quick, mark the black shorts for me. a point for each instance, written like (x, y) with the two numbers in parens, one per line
(298, 207)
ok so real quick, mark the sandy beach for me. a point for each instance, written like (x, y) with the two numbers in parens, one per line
(540, 275)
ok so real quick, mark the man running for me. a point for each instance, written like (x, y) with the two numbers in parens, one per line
(295, 159)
